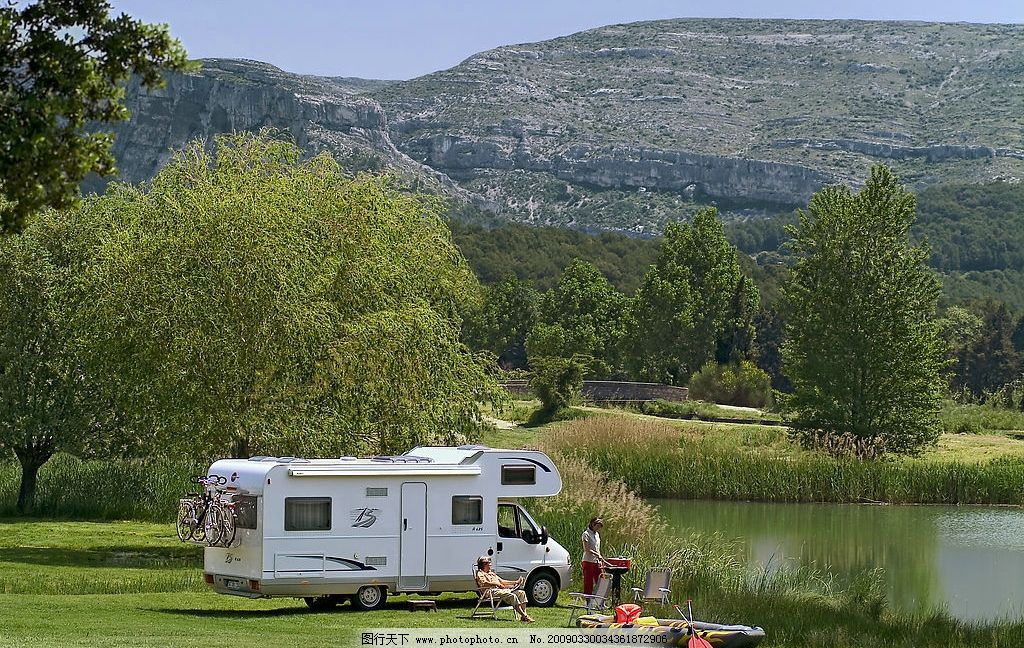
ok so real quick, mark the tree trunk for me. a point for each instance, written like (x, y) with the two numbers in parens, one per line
(30, 466)
(241, 449)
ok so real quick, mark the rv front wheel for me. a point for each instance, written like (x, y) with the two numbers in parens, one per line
(542, 589)
(369, 597)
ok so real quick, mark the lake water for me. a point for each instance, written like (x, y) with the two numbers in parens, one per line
(967, 560)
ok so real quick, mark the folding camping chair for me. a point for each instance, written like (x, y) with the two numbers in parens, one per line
(655, 588)
(591, 603)
(489, 602)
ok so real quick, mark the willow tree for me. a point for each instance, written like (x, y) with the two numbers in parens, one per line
(249, 301)
(47, 404)
(863, 350)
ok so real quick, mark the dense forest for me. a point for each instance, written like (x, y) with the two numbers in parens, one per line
(539, 254)
(976, 235)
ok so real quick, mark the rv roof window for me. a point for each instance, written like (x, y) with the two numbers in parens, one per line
(467, 509)
(307, 514)
(518, 475)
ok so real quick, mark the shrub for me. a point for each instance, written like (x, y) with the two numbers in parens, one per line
(667, 409)
(745, 384)
(557, 382)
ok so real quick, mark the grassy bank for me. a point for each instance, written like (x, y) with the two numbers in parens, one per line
(710, 412)
(980, 418)
(748, 462)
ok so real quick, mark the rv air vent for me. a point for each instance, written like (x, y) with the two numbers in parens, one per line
(376, 492)
(376, 561)
(473, 447)
(257, 458)
(403, 459)
(293, 460)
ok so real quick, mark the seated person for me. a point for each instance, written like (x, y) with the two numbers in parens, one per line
(501, 588)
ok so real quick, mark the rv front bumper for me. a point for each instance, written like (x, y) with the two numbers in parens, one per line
(564, 576)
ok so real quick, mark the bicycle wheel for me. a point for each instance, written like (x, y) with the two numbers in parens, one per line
(228, 527)
(199, 523)
(186, 520)
(213, 525)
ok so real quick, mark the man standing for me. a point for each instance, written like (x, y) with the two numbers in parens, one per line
(592, 558)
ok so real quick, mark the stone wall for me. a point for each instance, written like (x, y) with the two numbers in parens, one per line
(613, 391)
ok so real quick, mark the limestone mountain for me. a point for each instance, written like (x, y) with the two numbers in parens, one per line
(624, 126)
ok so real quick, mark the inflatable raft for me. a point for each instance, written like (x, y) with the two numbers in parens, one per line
(676, 632)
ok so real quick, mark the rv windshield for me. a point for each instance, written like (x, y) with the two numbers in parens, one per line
(515, 522)
(527, 522)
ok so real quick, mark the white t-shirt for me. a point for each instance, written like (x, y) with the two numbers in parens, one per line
(591, 545)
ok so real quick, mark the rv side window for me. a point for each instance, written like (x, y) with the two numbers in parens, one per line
(518, 475)
(245, 511)
(467, 509)
(307, 514)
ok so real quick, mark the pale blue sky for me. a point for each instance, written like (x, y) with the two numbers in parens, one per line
(401, 39)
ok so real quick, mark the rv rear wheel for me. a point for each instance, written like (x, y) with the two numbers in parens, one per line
(321, 603)
(370, 597)
(542, 589)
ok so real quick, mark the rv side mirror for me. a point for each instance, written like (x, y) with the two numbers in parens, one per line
(543, 535)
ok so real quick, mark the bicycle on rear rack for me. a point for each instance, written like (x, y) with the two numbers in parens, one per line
(202, 516)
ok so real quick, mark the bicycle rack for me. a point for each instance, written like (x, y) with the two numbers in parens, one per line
(188, 505)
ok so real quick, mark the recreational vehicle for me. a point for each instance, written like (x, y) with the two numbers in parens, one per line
(330, 529)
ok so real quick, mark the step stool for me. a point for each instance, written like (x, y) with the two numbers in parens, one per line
(422, 604)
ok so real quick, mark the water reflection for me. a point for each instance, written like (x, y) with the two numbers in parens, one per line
(969, 561)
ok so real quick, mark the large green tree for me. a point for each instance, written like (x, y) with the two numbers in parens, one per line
(62, 66)
(47, 403)
(249, 301)
(581, 316)
(863, 352)
(502, 319)
(694, 304)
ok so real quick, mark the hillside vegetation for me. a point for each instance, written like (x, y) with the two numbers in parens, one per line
(976, 233)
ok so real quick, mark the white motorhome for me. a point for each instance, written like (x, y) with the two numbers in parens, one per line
(330, 529)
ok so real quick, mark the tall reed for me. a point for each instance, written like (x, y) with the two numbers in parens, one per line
(661, 459)
(133, 489)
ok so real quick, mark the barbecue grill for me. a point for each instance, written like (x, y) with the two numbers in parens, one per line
(616, 568)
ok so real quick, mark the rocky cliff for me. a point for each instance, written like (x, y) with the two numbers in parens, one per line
(321, 114)
(625, 126)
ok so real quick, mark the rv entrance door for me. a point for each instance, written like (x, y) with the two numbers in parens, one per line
(413, 563)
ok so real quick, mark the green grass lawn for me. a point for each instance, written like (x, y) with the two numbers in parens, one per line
(134, 584)
(194, 616)
(78, 584)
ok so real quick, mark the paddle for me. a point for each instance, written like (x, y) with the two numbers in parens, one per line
(695, 641)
